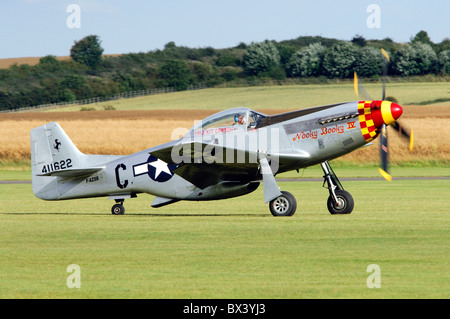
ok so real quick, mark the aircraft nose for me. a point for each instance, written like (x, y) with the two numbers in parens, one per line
(390, 112)
(385, 112)
(396, 111)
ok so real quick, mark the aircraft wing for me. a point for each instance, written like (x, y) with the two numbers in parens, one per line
(204, 164)
(204, 175)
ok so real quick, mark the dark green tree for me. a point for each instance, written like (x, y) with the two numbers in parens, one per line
(87, 51)
(444, 45)
(369, 62)
(227, 59)
(444, 62)
(73, 82)
(415, 59)
(204, 73)
(261, 57)
(359, 40)
(48, 60)
(307, 61)
(422, 36)
(175, 74)
(339, 60)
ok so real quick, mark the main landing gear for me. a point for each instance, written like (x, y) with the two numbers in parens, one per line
(339, 201)
(283, 205)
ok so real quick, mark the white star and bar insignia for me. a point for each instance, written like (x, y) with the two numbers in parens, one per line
(156, 169)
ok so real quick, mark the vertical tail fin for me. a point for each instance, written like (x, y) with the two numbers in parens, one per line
(52, 152)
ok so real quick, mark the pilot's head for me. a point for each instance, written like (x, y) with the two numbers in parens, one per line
(239, 119)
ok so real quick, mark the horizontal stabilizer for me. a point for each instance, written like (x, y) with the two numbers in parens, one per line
(73, 172)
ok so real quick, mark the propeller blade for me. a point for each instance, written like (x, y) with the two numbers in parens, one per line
(386, 55)
(384, 154)
(355, 84)
(359, 89)
(385, 68)
(409, 136)
(384, 169)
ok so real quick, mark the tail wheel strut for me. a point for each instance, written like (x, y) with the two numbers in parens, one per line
(118, 208)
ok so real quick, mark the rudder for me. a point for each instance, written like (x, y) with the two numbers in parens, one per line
(51, 151)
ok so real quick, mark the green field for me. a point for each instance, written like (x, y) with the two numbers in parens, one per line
(235, 248)
(232, 248)
(278, 97)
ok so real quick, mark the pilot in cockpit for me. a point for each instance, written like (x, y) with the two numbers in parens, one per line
(239, 119)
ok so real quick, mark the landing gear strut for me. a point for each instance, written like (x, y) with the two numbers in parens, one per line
(339, 201)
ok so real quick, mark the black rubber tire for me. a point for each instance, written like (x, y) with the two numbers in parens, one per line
(346, 206)
(118, 209)
(284, 205)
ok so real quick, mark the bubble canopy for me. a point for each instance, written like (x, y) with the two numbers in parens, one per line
(241, 117)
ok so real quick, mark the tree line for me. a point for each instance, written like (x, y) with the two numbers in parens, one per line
(91, 74)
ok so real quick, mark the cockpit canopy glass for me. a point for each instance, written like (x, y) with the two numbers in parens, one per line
(229, 120)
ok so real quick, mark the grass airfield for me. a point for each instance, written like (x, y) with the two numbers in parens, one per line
(230, 248)
(277, 97)
(235, 248)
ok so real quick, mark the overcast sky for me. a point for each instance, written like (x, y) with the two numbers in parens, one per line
(43, 27)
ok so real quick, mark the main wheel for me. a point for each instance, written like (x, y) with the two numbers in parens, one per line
(284, 205)
(118, 209)
(345, 203)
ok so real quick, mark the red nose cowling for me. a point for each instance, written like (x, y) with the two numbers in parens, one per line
(396, 111)
(385, 112)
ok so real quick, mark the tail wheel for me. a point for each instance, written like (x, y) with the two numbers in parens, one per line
(118, 209)
(344, 205)
(283, 205)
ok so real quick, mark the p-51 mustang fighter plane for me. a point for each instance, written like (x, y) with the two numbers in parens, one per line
(227, 154)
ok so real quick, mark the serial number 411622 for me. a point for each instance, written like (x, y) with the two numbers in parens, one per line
(56, 166)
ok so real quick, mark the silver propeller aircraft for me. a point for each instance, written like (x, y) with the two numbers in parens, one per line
(228, 154)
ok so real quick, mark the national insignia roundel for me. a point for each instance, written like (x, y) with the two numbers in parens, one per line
(156, 169)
